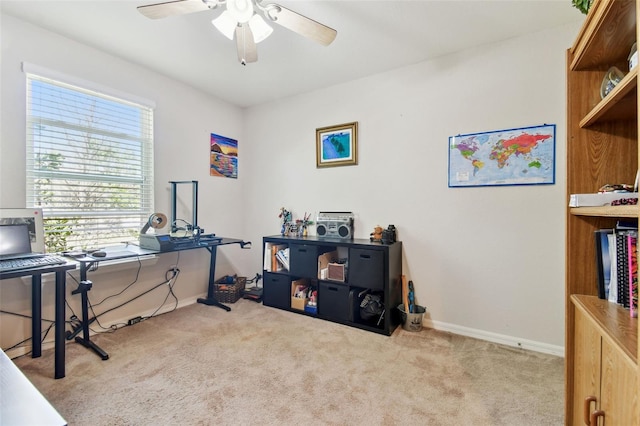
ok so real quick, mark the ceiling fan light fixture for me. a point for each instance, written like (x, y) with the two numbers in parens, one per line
(244, 21)
(225, 24)
(240, 10)
(260, 29)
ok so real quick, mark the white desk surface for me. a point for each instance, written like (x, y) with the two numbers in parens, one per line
(20, 402)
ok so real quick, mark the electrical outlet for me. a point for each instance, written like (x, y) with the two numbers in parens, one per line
(135, 320)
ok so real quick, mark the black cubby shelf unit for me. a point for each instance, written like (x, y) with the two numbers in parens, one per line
(342, 272)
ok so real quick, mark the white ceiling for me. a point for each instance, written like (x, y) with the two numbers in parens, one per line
(373, 37)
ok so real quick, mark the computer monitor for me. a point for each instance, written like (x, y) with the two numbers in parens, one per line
(32, 218)
(14, 240)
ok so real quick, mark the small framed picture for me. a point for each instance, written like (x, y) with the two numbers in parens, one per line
(337, 145)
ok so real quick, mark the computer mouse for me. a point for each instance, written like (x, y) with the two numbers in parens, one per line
(98, 254)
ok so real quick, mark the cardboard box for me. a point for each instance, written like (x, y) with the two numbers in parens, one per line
(335, 272)
(298, 303)
(323, 263)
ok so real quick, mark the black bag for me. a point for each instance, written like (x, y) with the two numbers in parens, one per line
(371, 307)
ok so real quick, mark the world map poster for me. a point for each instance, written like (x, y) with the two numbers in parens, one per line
(523, 156)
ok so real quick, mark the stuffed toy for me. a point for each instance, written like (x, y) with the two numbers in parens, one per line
(376, 235)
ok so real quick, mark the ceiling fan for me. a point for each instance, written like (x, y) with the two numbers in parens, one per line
(241, 20)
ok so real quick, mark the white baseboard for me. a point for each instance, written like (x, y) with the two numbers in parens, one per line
(496, 338)
(515, 342)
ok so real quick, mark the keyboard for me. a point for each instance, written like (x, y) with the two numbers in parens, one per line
(8, 265)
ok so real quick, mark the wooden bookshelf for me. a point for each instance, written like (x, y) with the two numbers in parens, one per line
(618, 104)
(601, 340)
(612, 320)
(630, 212)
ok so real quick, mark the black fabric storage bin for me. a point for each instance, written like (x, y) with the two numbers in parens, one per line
(366, 268)
(276, 290)
(333, 301)
(303, 260)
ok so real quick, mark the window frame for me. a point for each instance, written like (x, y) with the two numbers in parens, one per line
(137, 172)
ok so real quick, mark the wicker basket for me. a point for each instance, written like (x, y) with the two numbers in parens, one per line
(229, 293)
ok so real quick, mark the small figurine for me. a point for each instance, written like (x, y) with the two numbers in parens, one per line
(305, 223)
(285, 215)
(313, 297)
(376, 235)
(300, 292)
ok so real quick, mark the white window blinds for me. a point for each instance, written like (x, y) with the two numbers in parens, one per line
(89, 164)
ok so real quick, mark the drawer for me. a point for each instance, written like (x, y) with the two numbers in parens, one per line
(276, 290)
(333, 301)
(366, 268)
(303, 260)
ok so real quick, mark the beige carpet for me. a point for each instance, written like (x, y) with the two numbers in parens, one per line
(256, 365)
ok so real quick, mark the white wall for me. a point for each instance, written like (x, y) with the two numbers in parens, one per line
(487, 262)
(184, 119)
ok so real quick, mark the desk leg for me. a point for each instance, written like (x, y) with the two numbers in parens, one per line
(85, 340)
(211, 298)
(36, 314)
(61, 289)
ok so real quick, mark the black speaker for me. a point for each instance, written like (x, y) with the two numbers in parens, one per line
(321, 229)
(344, 231)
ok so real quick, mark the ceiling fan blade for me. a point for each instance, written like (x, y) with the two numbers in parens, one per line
(246, 46)
(300, 24)
(172, 8)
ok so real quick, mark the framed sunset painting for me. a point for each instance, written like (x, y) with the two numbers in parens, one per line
(223, 156)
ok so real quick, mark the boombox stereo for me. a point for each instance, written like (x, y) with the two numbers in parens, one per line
(335, 225)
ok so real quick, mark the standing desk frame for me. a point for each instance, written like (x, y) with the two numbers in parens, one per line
(133, 251)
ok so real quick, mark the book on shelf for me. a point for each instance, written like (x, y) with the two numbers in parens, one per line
(598, 199)
(266, 264)
(622, 260)
(282, 256)
(276, 263)
(276, 257)
(627, 224)
(603, 261)
(612, 294)
(632, 249)
(617, 266)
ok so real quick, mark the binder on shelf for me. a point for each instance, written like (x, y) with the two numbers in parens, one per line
(598, 199)
(613, 278)
(632, 240)
(267, 257)
(603, 261)
(623, 269)
(623, 276)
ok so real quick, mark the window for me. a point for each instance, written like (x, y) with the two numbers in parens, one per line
(89, 164)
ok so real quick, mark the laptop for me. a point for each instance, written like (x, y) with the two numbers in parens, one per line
(15, 242)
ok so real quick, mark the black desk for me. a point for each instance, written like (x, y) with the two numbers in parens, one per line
(36, 308)
(132, 251)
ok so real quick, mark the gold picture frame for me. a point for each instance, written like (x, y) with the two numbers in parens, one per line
(337, 145)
